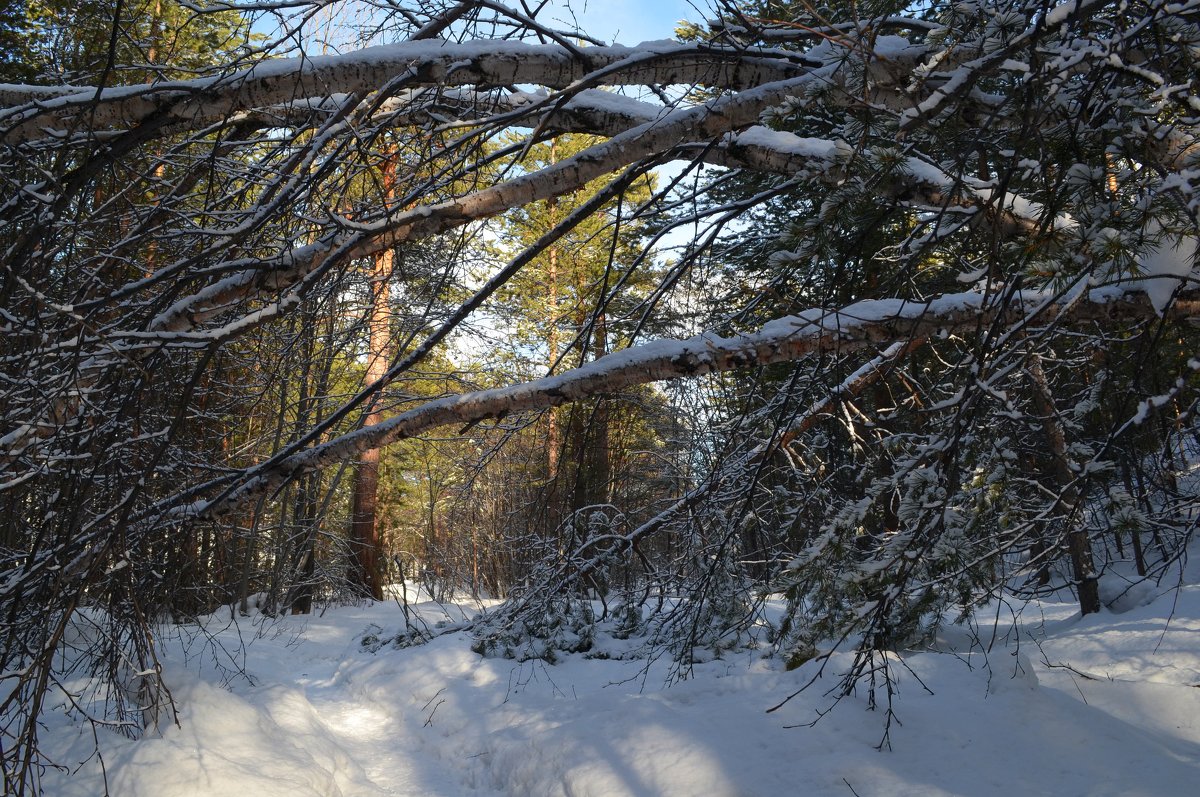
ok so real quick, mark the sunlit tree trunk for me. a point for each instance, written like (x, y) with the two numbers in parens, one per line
(553, 436)
(365, 537)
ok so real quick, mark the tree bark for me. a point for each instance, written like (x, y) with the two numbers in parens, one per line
(365, 539)
(1083, 568)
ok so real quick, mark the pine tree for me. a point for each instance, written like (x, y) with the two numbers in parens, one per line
(95, 42)
(574, 304)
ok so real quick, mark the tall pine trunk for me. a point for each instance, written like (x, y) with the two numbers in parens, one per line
(366, 541)
(365, 538)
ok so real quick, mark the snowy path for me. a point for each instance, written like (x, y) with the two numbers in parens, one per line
(367, 733)
(321, 717)
(375, 731)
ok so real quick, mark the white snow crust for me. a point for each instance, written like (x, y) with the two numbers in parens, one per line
(1103, 705)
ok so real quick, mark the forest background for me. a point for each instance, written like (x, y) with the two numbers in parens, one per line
(304, 300)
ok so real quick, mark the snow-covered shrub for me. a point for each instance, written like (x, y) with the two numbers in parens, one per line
(561, 626)
(375, 639)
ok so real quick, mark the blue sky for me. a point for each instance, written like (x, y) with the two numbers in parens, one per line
(630, 21)
(621, 21)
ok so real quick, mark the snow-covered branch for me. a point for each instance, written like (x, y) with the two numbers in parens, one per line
(36, 113)
(868, 324)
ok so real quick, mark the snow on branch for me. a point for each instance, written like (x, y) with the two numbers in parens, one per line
(36, 113)
(644, 141)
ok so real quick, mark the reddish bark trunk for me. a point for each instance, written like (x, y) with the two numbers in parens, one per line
(365, 538)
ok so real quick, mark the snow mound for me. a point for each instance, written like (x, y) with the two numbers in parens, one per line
(226, 746)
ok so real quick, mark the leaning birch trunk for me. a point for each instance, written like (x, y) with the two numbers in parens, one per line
(864, 325)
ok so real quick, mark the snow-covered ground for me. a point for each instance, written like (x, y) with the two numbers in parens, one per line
(1107, 705)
